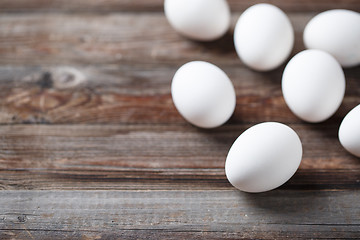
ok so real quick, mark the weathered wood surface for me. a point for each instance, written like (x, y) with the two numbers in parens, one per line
(93, 148)
(152, 157)
(115, 38)
(179, 214)
(157, 5)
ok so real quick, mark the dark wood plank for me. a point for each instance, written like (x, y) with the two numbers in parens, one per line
(157, 5)
(179, 215)
(123, 38)
(164, 179)
(136, 94)
(153, 157)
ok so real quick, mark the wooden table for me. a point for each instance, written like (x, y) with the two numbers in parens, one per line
(93, 148)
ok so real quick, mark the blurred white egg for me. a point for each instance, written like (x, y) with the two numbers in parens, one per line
(263, 157)
(201, 20)
(313, 85)
(336, 32)
(203, 94)
(263, 37)
(349, 131)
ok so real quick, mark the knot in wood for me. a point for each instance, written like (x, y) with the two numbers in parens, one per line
(22, 218)
(66, 77)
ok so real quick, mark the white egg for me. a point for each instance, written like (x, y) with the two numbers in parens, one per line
(336, 32)
(349, 131)
(313, 85)
(263, 37)
(201, 20)
(203, 94)
(263, 157)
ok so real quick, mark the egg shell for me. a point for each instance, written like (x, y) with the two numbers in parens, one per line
(313, 85)
(263, 37)
(203, 94)
(349, 131)
(201, 20)
(336, 32)
(263, 157)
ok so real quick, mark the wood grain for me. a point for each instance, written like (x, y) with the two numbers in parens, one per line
(157, 5)
(49, 157)
(126, 82)
(136, 94)
(118, 38)
(92, 147)
(179, 215)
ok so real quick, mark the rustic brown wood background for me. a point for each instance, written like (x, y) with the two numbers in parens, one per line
(100, 152)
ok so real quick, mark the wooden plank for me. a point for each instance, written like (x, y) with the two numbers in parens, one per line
(112, 159)
(153, 157)
(123, 38)
(157, 5)
(179, 214)
(164, 179)
(136, 94)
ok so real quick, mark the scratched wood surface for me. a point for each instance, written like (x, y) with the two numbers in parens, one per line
(92, 147)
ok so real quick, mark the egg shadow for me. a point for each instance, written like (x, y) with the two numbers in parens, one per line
(284, 204)
(224, 135)
(222, 46)
(295, 198)
(306, 191)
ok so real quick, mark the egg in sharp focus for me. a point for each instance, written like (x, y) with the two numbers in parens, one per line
(336, 32)
(263, 157)
(263, 37)
(203, 94)
(313, 85)
(201, 20)
(349, 132)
